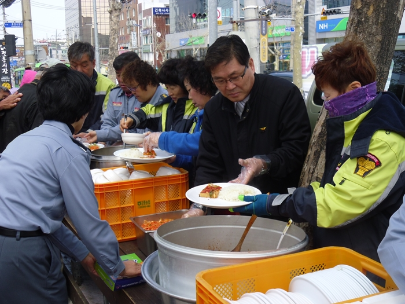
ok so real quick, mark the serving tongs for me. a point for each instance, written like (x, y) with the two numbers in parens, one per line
(130, 167)
(125, 145)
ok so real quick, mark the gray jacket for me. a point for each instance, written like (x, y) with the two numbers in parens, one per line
(118, 105)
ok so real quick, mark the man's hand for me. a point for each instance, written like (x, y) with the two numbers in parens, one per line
(10, 101)
(88, 264)
(193, 213)
(151, 141)
(132, 269)
(91, 137)
(251, 167)
(126, 123)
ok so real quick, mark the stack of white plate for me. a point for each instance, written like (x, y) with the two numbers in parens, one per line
(327, 286)
(333, 285)
(272, 296)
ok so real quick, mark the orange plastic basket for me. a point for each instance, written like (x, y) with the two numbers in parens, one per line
(119, 201)
(232, 282)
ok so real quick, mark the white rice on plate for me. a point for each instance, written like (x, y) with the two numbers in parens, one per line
(132, 153)
(231, 193)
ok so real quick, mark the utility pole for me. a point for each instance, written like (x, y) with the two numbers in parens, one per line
(29, 53)
(252, 32)
(235, 17)
(96, 46)
(4, 21)
(212, 21)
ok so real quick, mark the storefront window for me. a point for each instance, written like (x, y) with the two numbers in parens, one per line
(336, 3)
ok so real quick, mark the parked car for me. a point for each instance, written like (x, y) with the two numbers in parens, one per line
(287, 75)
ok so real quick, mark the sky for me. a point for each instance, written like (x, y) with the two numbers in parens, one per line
(48, 18)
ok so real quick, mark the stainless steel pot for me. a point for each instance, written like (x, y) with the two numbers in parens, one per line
(188, 246)
(150, 272)
(104, 157)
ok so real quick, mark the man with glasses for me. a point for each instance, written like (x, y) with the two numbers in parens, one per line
(255, 117)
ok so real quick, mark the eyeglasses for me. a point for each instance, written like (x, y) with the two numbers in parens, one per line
(234, 80)
(134, 88)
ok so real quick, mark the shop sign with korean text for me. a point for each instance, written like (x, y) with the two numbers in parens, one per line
(161, 11)
(263, 41)
(5, 77)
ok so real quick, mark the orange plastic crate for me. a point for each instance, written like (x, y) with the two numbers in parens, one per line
(120, 201)
(232, 282)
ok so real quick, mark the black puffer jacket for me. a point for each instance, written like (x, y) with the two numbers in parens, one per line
(22, 118)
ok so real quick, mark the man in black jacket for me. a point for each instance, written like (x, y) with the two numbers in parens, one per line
(24, 116)
(256, 117)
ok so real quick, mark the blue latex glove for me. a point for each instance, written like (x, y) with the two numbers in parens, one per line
(258, 206)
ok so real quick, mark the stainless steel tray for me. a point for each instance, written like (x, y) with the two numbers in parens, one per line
(144, 238)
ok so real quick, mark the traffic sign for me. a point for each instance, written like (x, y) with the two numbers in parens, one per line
(219, 15)
(290, 29)
(13, 24)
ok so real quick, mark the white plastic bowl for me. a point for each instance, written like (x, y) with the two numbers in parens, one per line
(163, 171)
(96, 171)
(122, 172)
(100, 179)
(132, 138)
(137, 174)
(112, 176)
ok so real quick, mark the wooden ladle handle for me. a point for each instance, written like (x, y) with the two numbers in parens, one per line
(250, 223)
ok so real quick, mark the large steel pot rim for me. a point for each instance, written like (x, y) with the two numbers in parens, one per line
(171, 248)
(150, 272)
(105, 158)
(227, 254)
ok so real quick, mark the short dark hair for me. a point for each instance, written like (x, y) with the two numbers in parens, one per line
(198, 76)
(140, 71)
(170, 73)
(64, 94)
(123, 59)
(224, 49)
(78, 49)
(344, 63)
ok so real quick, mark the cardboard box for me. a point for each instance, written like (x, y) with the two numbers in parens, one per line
(113, 282)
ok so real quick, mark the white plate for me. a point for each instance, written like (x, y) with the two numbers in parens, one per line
(309, 289)
(161, 155)
(361, 278)
(99, 145)
(193, 195)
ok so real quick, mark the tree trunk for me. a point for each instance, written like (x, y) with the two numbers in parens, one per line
(296, 37)
(115, 12)
(376, 23)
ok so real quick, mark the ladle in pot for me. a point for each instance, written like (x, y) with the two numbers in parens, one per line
(239, 246)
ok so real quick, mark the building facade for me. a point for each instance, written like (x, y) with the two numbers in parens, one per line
(188, 35)
(79, 20)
